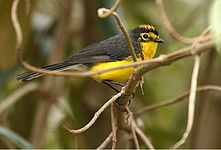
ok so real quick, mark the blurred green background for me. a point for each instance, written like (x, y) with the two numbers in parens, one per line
(56, 29)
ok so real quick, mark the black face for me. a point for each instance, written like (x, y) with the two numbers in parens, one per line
(150, 36)
(145, 30)
(146, 33)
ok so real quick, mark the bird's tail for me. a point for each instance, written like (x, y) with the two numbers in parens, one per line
(31, 75)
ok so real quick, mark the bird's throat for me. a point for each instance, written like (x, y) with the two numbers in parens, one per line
(149, 49)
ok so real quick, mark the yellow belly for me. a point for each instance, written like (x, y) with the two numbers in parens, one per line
(149, 50)
(114, 75)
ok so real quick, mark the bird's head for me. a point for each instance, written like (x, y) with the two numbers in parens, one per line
(146, 33)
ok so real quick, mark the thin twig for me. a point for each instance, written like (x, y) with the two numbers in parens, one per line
(177, 99)
(169, 27)
(14, 97)
(104, 15)
(102, 11)
(159, 61)
(29, 67)
(206, 31)
(173, 56)
(16, 24)
(162, 60)
(105, 142)
(143, 137)
(113, 125)
(96, 115)
(132, 125)
(192, 99)
(136, 143)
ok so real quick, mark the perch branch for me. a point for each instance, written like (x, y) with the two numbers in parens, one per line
(160, 61)
(96, 115)
(176, 55)
(192, 99)
(29, 67)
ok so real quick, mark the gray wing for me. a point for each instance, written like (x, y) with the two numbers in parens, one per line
(112, 49)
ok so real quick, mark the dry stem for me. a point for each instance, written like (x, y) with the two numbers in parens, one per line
(173, 56)
(143, 137)
(110, 12)
(169, 27)
(175, 100)
(192, 99)
(138, 72)
(102, 11)
(113, 124)
(132, 126)
(96, 115)
(105, 142)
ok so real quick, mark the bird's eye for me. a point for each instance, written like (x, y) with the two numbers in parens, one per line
(145, 36)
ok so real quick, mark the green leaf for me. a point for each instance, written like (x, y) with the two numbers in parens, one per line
(15, 138)
(215, 22)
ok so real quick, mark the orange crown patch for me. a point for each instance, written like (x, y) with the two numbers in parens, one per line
(148, 27)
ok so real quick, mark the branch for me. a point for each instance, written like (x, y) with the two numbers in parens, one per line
(169, 27)
(29, 67)
(175, 100)
(143, 137)
(157, 62)
(113, 125)
(16, 24)
(192, 99)
(106, 141)
(13, 98)
(103, 11)
(176, 55)
(96, 115)
(111, 11)
(152, 63)
(136, 143)
(132, 126)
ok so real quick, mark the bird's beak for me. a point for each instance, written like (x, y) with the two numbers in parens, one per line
(158, 40)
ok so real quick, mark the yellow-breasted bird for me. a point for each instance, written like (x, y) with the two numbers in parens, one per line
(111, 52)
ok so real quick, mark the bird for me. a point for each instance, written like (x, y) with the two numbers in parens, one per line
(108, 53)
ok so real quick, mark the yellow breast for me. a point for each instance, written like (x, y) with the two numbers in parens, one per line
(149, 49)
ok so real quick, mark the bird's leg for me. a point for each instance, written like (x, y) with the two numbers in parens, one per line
(116, 83)
(120, 84)
(107, 82)
(115, 89)
(111, 86)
